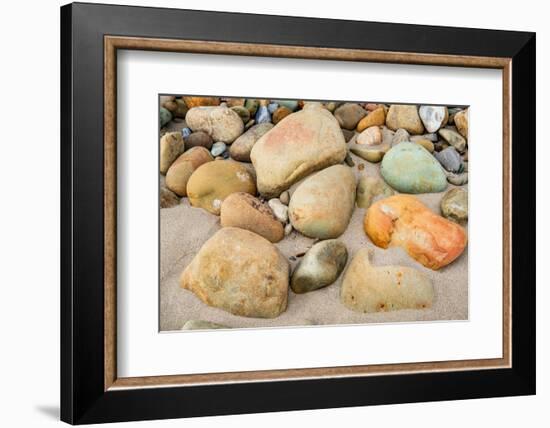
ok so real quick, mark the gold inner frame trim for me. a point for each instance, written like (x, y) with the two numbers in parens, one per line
(113, 43)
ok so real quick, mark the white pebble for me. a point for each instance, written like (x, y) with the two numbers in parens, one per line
(279, 209)
(218, 148)
(288, 229)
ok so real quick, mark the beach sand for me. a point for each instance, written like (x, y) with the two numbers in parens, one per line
(183, 230)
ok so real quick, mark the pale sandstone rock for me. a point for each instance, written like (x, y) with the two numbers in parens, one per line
(240, 272)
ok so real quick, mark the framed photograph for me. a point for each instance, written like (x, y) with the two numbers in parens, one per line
(267, 213)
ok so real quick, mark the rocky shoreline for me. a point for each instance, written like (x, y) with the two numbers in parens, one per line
(284, 212)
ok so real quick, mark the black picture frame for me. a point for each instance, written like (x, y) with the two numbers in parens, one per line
(83, 397)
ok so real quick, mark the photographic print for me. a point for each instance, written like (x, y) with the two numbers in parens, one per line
(290, 212)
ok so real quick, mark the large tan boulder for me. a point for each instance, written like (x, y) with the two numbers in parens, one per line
(367, 288)
(213, 181)
(220, 122)
(322, 205)
(304, 142)
(240, 272)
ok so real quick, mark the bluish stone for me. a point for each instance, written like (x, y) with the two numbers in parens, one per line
(410, 168)
(272, 107)
(218, 148)
(165, 116)
(186, 132)
(262, 115)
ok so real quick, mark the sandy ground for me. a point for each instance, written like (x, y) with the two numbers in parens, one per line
(183, 230)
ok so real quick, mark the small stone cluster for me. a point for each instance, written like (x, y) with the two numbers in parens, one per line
(270, 168)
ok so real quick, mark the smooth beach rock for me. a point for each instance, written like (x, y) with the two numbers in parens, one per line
(427, 144)
(240, 272)
(168, 199)
(192, 102)
(349, 115)
(221, 123)
(410, 168)
(165, 116)
(218, 148)
(177, 107)
(372, 154)
(370, 187)
(242, 146)
(171, 145)
(235, 102)
(199, 139)
(374, 118)
(280, 210)
(450, 159)
(453, 138)
(321, 266)
(371, 136)
(202, 325)
(285, 197)
(186, 132)
(271, 107)
(280, 114)
(461, 122)
(400, 136)
(454, 205)
(262, 115)
(348, 135)
(331, 106)
(406, 117)
(290, 104)
(248, 212)
(252, 106)
(458, 179)
(322, 205)
(243, 113)
(302, 143)
(367, 288)
(212, 182)
(403, 221)
(433, 117)
(166, 98)
(183, 167)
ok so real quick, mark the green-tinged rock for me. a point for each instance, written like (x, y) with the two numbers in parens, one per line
(242, 112)
(410, 168)
(290, 104)
(320, 266)
(165, 116)
(322, 205)
(202, 325)
(454, 205)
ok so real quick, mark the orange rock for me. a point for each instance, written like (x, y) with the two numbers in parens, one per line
(374, 118)
(403, 221)
(201, 101)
